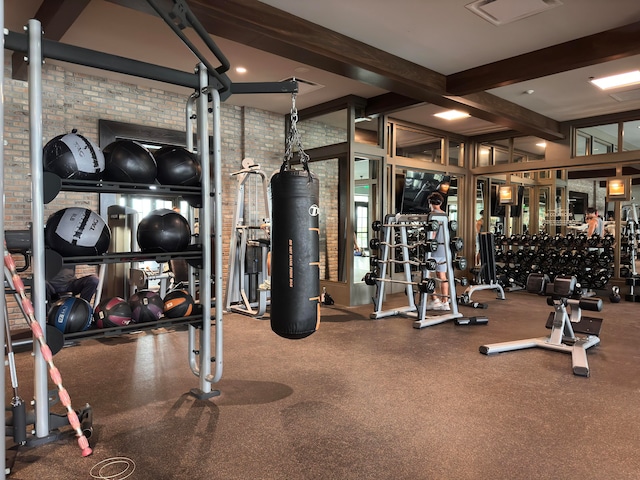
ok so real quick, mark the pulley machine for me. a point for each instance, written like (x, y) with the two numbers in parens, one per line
(248, 283)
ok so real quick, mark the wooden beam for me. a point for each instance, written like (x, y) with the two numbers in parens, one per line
(598, 48)
(55, 16)
(258, 25)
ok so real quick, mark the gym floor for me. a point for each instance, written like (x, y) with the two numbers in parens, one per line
(359, 399)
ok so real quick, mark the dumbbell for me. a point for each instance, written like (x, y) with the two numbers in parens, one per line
(457, 244)
(460, 263)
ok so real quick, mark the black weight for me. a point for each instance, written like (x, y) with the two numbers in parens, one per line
(460, 263)
(432, 225)
(431, 245)
(295, 255)
(457, 244)
(614, 296)
(376, 226)
(370, 278)
(428, 285)
(453, 226)
(374, 244)
(431, 264)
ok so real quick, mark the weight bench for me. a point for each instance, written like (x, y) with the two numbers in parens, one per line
(564, 322)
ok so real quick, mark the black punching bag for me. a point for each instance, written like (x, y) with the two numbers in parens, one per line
(295, 254)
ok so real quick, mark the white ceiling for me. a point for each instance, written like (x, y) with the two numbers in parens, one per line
(441, 35)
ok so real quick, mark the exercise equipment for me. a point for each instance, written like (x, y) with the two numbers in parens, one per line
(112, 312)
(162, 231)
(27, 307)
(295, 239)
(632, 244)
(249, 282)
(177, 166)
(564, 321)
(486, 275)
(76, 231)
(70, 315)
(18, 407)
(73, 156)
(146, 306)
(128, 161)
(416, 237)
(178, 303)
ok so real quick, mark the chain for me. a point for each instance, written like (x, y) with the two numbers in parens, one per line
(294, 140)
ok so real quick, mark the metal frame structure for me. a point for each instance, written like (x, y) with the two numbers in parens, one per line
(242, 236)
(401, 223)
(211, 85)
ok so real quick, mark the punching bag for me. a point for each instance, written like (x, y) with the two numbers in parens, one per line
(295, 253)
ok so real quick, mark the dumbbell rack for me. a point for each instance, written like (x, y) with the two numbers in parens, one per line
(430, 224)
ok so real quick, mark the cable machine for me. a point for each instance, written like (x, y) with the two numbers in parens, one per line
(211, 86)
(248, 282)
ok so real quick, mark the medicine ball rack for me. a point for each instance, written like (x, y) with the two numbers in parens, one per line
(211, 85)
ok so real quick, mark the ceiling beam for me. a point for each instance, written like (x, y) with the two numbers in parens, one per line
(55, 16)
(601, 47)
(269, 29)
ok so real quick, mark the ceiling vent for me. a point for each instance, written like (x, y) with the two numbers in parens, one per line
(304, 86)
(501, 12)
(626, 96)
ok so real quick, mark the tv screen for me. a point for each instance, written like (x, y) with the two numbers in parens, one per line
(417, 188)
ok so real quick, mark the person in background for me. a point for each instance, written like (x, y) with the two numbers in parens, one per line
(479, 228)
(594, 225)
(440, 301)
(66, 281)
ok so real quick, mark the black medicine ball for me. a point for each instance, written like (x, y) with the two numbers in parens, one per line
(177, 166)
(73, 156)
(70, 315)
(128, 161)
(77, 231)
(163, 230)
(178, 303)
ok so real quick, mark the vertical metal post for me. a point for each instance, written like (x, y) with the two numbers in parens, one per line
(217, 232)
(3, 441)
(37, 217)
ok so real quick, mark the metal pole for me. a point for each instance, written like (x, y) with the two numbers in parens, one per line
(3, 458)
(37, 217)
(217, 232)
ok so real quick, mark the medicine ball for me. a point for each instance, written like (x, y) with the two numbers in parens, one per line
(112, 312)
(163, 230)
(146, 306)
(128, 161)
(76, 231)
(70, 315)
(178, 303)
(177, 166)
(73, 156)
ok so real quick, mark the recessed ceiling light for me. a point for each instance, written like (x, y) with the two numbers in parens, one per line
(451, 115)
(616, 81)
(241, 70)
(541, 144)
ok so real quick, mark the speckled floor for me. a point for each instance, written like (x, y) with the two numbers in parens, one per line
(359, 399)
